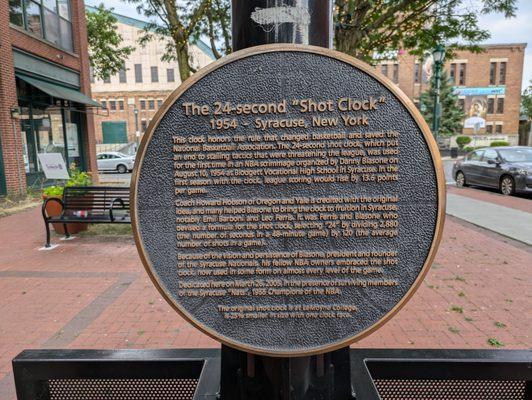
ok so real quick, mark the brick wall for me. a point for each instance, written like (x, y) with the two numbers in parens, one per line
(11, 140)
(477, 75)
(14, 37)
(127, 114)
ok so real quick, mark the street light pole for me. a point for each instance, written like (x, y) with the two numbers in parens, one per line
(438, 56)
(137, 133)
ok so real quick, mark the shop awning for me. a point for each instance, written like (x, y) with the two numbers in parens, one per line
(59, 92)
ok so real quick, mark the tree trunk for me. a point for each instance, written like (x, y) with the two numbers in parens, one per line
(183, 62)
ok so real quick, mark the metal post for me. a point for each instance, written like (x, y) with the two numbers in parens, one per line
(246, 376)
(257, 22)
(439, 55)
(137, 133)
(437, 105)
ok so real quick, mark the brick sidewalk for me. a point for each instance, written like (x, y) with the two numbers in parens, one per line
(94, 293)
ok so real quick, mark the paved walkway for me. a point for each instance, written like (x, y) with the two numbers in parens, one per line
(93, 292)
(510, 222)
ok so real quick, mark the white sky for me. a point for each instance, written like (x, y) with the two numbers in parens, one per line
(514, 30)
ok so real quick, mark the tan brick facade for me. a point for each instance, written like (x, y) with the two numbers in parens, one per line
(13, 38)
(144, 83)
(125, 104)
(475, 70)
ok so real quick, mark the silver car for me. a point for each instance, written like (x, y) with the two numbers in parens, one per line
(115, 161)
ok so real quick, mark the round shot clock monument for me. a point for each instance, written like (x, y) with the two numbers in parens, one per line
(287, 200)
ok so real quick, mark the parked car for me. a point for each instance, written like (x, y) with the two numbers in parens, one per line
(115, 161)
(508, 169)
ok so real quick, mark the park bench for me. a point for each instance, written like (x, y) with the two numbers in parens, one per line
(89, 205)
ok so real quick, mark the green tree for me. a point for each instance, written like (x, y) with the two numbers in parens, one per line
(526, 101)
(106, 55)
(366, 27)
(175, 19)
(451, 114)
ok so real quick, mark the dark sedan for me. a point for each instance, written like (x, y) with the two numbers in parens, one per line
(508, 169)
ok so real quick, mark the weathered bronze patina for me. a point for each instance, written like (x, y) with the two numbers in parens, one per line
(288, 200)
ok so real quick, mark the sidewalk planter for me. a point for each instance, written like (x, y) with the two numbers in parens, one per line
(54, 209)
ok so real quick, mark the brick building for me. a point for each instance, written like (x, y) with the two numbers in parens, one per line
(488, 85)
(132, 96)
(45, 98)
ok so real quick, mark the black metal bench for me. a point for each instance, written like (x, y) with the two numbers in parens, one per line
(89, 205)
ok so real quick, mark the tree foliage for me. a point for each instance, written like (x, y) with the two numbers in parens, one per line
(451, 114)
(363, 28)
(366, 27)
(216, 25)
(175, 19)
(106, 54)
(526, 101)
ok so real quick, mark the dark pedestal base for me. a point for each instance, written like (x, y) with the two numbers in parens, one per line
(206, 374)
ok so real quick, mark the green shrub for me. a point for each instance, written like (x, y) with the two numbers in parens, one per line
(77, 178)
(497, 143)
(461, 141)
(53, 191)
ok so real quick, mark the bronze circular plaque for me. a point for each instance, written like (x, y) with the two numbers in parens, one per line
(287, 200)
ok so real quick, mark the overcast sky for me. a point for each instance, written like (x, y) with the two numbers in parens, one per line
(514, 30)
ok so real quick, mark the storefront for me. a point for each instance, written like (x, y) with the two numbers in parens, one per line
(52, 115)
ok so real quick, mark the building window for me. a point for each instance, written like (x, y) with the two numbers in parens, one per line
(138, 73)
(107, 79)
(49, 19)
(143, 125)
(502, 74)
(384, 69)
(151, 104)
(112, 105)
(16, 13)
(122, 78)
(462, 74)
(170, 75)
(491, 105)
(452, 73)
(489, 128)
(498, 128)
(142, 104)
(154, 74)
(121, 105)
(493, 72)
(417, 73)
(91, 74)
(500, 105)
(103, 103)
(159, 103)
(396, 73)
(33, 18)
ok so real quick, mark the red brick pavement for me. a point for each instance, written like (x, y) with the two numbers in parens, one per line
(93, 293)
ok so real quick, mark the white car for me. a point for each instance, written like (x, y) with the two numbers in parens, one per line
(115, 161)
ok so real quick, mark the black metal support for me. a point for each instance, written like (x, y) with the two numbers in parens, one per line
(246, 376)
(257, 22)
